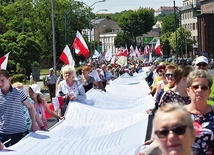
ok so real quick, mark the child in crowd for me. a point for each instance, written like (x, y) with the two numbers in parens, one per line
(28, 122)
(41, 105)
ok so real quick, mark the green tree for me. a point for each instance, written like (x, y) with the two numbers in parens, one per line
(183, 38)
(25, 51)
(159, 17)
(166, 48)
(137, 23)
(169, 23)
(123, 39)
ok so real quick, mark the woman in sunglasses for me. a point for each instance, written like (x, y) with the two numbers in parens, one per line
(174, 131)
(199, 83)
(178, 93)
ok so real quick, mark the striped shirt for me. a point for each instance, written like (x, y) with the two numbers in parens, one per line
(11, 111)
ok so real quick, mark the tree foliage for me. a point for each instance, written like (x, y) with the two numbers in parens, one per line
(169, 23)
(123, 39)
(183, 38)
(137, 23)
(25, 51)
(31, 29)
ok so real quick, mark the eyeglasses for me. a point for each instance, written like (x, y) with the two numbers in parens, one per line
(178, 130)
(201, 64)
(169, 75)
(196, 87)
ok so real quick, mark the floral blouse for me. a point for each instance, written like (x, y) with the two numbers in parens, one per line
(171, 97)
(204, 127)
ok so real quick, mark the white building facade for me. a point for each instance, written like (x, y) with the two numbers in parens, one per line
(188, 17)
(107, 41)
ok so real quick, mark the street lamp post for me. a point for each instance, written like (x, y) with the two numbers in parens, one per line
(89, 8)
(94, 23)
(53, 33)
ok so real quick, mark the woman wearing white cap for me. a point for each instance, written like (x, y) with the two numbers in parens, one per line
(41, 105)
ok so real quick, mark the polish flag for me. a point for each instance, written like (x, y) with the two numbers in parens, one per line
(3, 61)
(80, 45)
(131, 49)
(140, 52)
(122, 52)
(58, 102)
(158, 48)
(147, 50)
(66, 56)
(137, 52)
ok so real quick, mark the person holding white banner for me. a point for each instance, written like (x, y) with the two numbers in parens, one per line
(70, 87)
(12, 124)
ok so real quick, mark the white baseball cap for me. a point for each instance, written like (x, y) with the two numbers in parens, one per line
(36, 88)
(201, 59)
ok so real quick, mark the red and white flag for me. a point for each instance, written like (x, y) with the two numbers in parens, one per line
(137, 52)
(131, 49)
(158, 48)
(147, 50)
(58, 102)
(122, 52)
(4, 61)
(80, 45)
(66, 56)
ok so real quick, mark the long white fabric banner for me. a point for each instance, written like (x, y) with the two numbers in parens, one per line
(115, 124)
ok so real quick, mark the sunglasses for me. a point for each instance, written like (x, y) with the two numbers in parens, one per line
(196, 87)
(169, 75)
(201, 64)
(178, 130)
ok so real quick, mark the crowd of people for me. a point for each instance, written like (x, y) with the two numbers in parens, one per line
(183, 122)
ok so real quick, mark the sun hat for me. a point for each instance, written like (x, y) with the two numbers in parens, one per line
(36, 88)
(201, 59)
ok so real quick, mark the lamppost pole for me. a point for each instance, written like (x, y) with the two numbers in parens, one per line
(89, 7)
(94, 24)
(175, 25)
(53, 33)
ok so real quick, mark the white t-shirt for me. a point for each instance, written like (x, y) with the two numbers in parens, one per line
(95, 75)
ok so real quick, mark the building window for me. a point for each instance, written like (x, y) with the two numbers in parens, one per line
(193, 26)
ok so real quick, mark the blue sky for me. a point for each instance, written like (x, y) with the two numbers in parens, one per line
(120, 5)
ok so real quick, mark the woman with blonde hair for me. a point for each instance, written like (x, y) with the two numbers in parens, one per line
(70, 87)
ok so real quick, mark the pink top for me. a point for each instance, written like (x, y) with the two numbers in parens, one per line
(40, 109)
